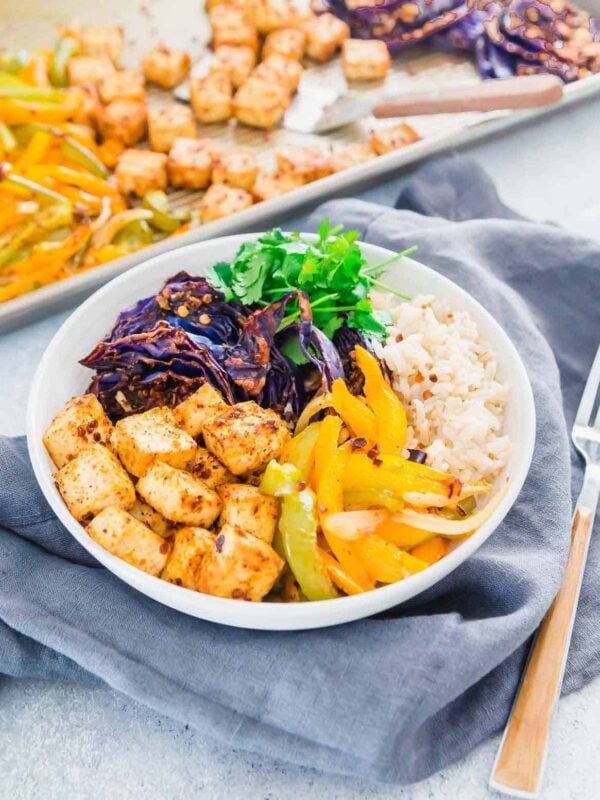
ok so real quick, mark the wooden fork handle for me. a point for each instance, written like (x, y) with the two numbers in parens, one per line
(520, 761)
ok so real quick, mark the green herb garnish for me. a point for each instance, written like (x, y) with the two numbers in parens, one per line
(332, 271)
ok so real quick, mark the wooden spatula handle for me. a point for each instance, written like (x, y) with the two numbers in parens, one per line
(526, 91)
(520, 761)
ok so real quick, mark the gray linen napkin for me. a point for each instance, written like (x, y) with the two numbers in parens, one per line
(393, 698)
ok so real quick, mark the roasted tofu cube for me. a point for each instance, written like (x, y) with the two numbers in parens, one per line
(221, 200)
(89, 107)
(271, 15)
(236, 60)
(89, 69)
(155, 521)
(127, 84)
(287, 42)
(281, 71)
(365, 59)
(236, 167)
(324, 34)
(142, 439)
(165, 66)
(388, 139)
(245, 437)
(238, 565)
(189, 164)
(193, 413)
(306, 162)
(101, 41)
(141, 171)
(125, 120)
(247, 508)
(230, 25)
(129, 539)
(209, 469)
(93, 480)
(167, 124)
(273, 184)
(350, 156)
(190, 545)
(178, 495)
(81, 422)
(260, 104)
(211, 96)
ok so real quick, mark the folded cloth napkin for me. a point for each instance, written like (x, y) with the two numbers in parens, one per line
(399, 696)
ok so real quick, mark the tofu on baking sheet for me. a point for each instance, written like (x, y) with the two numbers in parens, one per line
(281, 71)
(324, 35)
(236, 167)
(239, 566)
(95, 40)
(236, 60)
(179, 496)
(89, 104)
(209, 469)
(141, 171)
(189, 164)
(142, 439)
(286, 42)
(271, 15)
(388, 139)
(129, 539)
(190, 545)
(166, 66)
(126, 84)
(307, 162)
(365, 59)
(350, 155)
(93, 480)
(151, 518)
(230, 25)
(247, 508)
(125, 120)
(168, 123)
(193, 413)
(82, 421)
(245, 437)
(89, 69)
(260, 104)
(221, 200)
(273, 184)
(211, 96)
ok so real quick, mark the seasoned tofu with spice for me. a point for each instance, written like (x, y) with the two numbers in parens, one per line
(271, 15)
(89, 105)
(89, 69)
(96, 40)
(247, 508)
(260, 104)
(239, 566)
(236, 167)
(388, 139)
(350, 155)
(93, 480)
(190, 545)
(81, 422)
(286, 42)
(193, 413)
(236, 60)
(179, 496)
(306, 162)
(127, 84)
(221, 200)
(280, 71)
(141, 171)
(273, 184)
(166, 66)
(126, 537)
(324, 35)
(125, 120)
(167, 124)
(142, 439)
(211, 96)
(155, 521)
(230, 25)
(365, 59)
(209, 469)
(245, 437)
(190, 164)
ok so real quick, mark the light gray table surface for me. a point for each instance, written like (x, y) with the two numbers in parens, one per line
(65, 742)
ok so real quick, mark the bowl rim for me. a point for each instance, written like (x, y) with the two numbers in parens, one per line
(272, 615)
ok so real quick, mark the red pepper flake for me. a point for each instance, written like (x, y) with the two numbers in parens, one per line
(164, 547)
(80, 431)
(433, 377)
(427, 394)
(419, 378)
(358, 443)
(373, 452)
(399, 337)
(301, 486)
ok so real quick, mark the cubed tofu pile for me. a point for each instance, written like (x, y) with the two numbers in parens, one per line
(166, 490)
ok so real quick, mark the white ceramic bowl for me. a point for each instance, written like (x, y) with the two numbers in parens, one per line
(59, 377)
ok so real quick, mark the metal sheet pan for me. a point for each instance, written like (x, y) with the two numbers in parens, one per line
(28, 23)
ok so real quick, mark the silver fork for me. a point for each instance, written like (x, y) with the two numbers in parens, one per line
(519, 765)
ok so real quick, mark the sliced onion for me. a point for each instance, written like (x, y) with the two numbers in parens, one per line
(353, 525)
(104, 215)
(107, 233)
(313, 407)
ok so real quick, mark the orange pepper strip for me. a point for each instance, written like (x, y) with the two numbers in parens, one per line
(431, 551)
(21, 112)
(385, 404)
(362, 471)
(338, 575)
(357, 416)
(385, 562)
(35, 150)
(73, 177)
(403, 536)
(41, 258)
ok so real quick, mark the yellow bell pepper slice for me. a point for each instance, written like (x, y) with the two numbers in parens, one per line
(385, 562)
(375, 473)
(300, 451)
(403, 536)
(432, 550)
(385, 404)
(339, 576)
(35, 151)
(357, 416)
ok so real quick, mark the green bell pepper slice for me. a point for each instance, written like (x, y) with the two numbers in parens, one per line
(65, 48)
